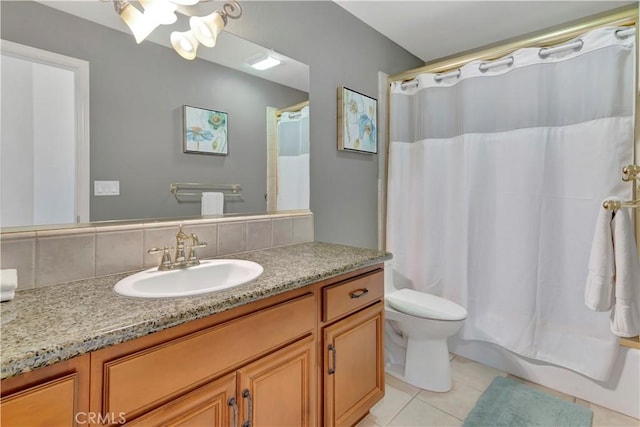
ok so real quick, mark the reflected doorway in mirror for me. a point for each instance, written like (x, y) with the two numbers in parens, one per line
(44, 141)
(288, 175)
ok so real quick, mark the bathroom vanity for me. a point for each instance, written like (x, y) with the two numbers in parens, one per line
(302, 345)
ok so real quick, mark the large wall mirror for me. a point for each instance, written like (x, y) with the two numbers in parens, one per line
(137, 95)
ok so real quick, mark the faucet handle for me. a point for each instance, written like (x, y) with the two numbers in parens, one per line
(192, 259)
(165, 262)
(196, 242)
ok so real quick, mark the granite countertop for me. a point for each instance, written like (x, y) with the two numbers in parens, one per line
(54, 323)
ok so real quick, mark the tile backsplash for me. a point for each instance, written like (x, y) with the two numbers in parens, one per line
(53, 256)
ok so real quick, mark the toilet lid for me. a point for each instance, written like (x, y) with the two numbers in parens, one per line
(425, 305)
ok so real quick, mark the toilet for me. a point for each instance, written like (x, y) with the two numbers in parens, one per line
(416, 330)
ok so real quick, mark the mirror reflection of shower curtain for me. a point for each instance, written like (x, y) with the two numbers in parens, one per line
(496, 179)
(293, 160)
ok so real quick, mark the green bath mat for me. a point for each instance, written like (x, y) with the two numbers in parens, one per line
(508, 403)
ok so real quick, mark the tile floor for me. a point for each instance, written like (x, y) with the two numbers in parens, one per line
(406, 405)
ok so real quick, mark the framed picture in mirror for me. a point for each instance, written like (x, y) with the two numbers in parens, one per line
(357, 121)
(204, 131)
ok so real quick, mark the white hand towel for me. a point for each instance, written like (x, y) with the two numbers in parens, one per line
(8, 283)
(613, 282)
(7, 295)
(625, 316)
(598, 295)
(212, 203)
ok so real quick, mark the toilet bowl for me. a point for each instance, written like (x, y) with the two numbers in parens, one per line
(418, 325)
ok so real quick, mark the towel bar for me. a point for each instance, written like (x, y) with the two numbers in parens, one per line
(195, 189)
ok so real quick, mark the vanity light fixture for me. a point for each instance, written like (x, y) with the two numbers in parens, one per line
(139, 24)
(207, 28)
(160, 12)
(203, 29)
(185, 2)
(185, 44)
(265, 63)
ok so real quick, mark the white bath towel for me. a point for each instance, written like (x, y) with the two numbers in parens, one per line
(613, 282)
(625, 316)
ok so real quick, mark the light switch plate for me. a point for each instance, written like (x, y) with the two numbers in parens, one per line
(106, 188)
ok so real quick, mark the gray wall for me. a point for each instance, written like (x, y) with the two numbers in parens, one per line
(341, 50)
(137, 94)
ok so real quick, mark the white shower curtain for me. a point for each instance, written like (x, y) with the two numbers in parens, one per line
(293, 161)
(495, 182)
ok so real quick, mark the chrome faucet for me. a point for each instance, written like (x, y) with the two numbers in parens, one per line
(180, 260)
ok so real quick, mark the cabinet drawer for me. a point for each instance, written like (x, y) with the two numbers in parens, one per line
(138, 382)
(349, 296)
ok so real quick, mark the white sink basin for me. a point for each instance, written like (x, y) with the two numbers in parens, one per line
(210, 275)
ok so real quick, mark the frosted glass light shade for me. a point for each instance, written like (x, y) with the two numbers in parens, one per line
(141, 26)
(207, 28)
(185, 43)
(185, 2)
(160, 11)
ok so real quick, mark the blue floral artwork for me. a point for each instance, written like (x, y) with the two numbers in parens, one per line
(358, 121)
(205, 131)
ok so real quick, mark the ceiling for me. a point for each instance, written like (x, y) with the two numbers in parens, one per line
(437, 29)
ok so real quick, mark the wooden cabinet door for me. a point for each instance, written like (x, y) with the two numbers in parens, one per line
(353, 366)
(138, 382)
(278, 390)
(208, 405)
(55, 395)
(49, 404)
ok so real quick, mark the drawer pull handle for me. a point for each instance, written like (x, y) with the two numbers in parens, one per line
(232, 402)
(247, 395)
(333, 349)
(358, 293)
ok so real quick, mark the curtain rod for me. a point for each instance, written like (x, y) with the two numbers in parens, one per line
(292, 109)
(626, 16)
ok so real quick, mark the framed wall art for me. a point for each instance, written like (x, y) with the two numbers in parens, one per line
(357, 121)
(205, 131)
